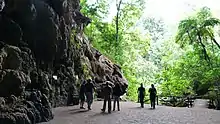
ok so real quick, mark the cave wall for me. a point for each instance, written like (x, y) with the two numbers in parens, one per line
(44, 54)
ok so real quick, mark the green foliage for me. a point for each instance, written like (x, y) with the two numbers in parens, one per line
(198, 31)
(189, 74)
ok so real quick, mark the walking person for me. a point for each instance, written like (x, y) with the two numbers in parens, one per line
(153, 94)
(107, 92)
(82, 94)
(141, 92)
(89, 90)
(116, 96)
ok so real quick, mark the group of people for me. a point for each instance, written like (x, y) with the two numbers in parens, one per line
(141, 95)
(108, 90)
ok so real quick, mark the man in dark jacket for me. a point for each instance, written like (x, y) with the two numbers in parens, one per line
(116, 96)
(153, 93)
(107, 92)
(82, 95)
(141, 92)
(89, 90)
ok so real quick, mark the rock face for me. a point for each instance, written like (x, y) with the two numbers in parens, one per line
(44, 56)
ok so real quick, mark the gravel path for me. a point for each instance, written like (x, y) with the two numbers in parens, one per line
(131, 113)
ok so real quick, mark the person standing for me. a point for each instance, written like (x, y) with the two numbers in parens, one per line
(89, 89)
(107, 92)
(82, 94)
(153, 93)
(141, 92)
(116, 96)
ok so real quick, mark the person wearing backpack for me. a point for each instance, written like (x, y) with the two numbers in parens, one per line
(153, 93)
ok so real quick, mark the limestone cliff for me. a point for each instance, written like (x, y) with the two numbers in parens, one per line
(44, 56)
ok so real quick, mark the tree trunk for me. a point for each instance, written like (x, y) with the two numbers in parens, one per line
(118, 5)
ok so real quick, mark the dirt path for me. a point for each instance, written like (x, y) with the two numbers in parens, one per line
(131, 113)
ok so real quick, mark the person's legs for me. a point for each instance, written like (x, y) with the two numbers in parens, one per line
(81, 104)
(82, 100)
(118, 98)
(115, 99)
(109, 104)
(91, 100)
(104, 104)
(153, 102)
(88, 99)
(142, 102)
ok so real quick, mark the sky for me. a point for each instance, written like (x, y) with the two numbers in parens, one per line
(172, 11)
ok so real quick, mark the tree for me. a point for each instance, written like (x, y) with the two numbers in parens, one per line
(190, 72)
(198, 31)
(118, 6)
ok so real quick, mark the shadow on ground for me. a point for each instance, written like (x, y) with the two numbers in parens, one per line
(102, 114)
(77, 111)
(142, 108)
